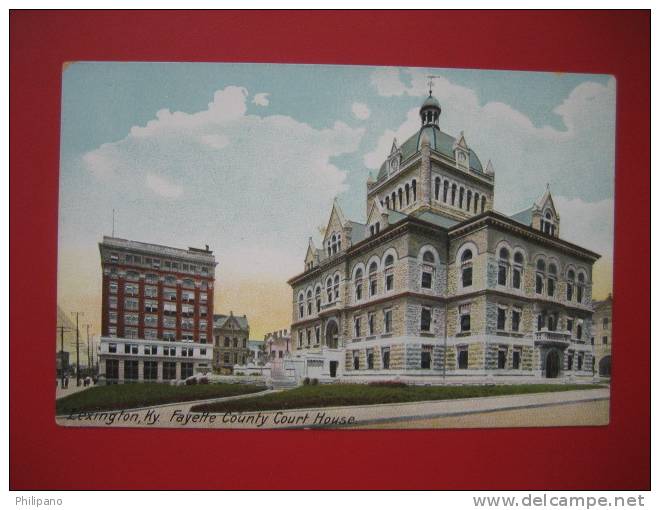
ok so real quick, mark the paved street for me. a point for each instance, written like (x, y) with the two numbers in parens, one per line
(72, 388)
(556, 408)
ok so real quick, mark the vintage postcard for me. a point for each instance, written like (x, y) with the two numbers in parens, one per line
(305, 246)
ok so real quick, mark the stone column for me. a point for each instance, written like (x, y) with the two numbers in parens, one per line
(178, 370)
(140, 370)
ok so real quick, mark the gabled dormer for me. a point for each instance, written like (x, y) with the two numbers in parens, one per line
(461, 152)
(335, 238)
(312, 256)
(377, 218)
(542, 215)
(394, 159)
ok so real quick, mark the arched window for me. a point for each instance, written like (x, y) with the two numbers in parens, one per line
(400, 198)
(387, 202)
(407, 194)
(309, 302)
(503, 267)
(328, 289)
(437, 188)
(394, 201)
(414, 190)
(389, 273)
(336, 286)
(445, 189)
(317, 297)
(428, 269)
(466, 268)
(453, 194)
(469, 200)
(540, 276)
(358, 284)
(373, 279)
(570, 283)
(483, 203)
(580, 287)
(518, 261)
(301, 306)
(552, 279)
(461, 192)
(476, 202)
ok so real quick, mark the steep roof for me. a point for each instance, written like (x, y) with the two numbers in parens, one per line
(440, 142)
(220, 321)
(524, 216)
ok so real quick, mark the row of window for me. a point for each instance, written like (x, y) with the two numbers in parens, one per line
(150, 369)
(401, 198)
(152, 334)
(132, 319)
(550, 321)
(133, 289)
(153, 350)
(150, 305)
(156, 263)
(231, 342)
(458, 196)
(233, 358)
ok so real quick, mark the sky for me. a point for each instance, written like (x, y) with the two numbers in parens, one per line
(248, 158)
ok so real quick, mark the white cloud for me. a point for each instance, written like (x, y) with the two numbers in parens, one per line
(588, 224)
(162, 186)
(577, 160)
(244, 183)
(261, 99)
(360, 111)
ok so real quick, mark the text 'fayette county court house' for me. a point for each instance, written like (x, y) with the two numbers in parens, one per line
(437, 284)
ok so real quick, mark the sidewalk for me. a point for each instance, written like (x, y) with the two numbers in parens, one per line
(71, 389)
(353, 416)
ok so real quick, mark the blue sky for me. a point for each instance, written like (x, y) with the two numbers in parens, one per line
(248, 157)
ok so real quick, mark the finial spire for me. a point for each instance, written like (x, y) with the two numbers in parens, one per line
(430, 77)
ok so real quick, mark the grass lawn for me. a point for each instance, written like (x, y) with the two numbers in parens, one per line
(361, 394)
(126, 396)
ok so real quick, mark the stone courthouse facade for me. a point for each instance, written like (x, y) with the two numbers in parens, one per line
(437, 286)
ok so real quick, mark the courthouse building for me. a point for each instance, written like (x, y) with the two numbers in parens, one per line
(157, 309)
(436, 285)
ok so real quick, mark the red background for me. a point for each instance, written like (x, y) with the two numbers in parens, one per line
(45, 456)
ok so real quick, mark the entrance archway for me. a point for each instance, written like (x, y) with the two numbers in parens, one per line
(605, 366)
(332, 334)
(552, 364)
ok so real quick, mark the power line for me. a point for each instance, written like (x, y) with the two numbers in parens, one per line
(77, 314)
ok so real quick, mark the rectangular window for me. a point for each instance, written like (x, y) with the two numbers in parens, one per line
(317, 335)
(426, 356)
(151, 306)
(150, 370)
(373, 287)
(386, 358)
(112, 348)
(388, 320)
(130, 349)
(131, 304)
(356, 360)
(370, 359)
(151, 320)
(131, 369)
(501, 275)
(427, 280)
(226, 357)
(112, 317)
(604, 340)
(579, 293)
(425, 322)
(515, 362)
(580, 361)
(539, 284)
(467, 276)
(187, 352)
(150, 291)
(501, 319)
(112, 331)
(462, 357)
(309, 337)
(569, 325)
(389, 282)
(131, 289)
(112, 369)
(300, 339)
(131, 318)
(464, 311)
(371, 323)
(131, 333)
(551, 287)
(578, 331)
(515, 320)
(150, 334)
(112, 301)
(113, 287)
(569, 292)
(516, 278)
(151, 350)
(186, 370)
(169, 370)
(501, 357)
(356, 327)
(569, 362)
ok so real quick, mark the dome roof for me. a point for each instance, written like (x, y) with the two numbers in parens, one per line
(439, 141)
(431, 101)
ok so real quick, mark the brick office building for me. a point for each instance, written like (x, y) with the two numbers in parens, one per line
(436, 285)
(157, 311)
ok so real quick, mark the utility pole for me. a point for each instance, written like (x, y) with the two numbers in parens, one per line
(77, 314)
(62, 330)
(89, 352)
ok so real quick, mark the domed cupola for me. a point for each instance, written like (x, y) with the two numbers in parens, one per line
(430, 111)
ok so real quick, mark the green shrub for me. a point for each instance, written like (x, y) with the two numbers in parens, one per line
(306, 381)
